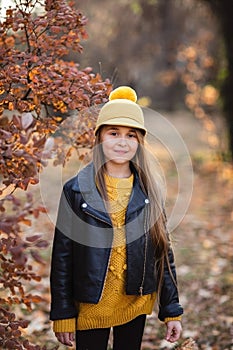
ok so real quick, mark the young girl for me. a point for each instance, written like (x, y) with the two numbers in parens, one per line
(111, 252)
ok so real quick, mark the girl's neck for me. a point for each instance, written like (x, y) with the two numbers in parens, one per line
(118, 170)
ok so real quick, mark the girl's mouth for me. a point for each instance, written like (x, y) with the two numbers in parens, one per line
(120, 152)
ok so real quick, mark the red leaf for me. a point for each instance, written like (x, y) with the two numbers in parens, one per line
(33, 238)
(42, 244)
(16, 121)
(23, 323)
(6, 227)
(36, 256)
(6, 134)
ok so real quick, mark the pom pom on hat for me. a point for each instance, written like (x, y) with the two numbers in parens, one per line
(122, 110)
(123, 92)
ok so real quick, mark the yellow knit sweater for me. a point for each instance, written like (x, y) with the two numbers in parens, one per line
(114, 307)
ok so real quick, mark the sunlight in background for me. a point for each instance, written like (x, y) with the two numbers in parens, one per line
(5, 4)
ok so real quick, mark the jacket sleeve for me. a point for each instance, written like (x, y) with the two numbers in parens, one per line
(62, 302)
(169, 305)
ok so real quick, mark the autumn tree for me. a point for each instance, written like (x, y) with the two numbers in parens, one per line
(38, 89)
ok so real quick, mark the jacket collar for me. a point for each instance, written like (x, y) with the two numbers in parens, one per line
(85, 183)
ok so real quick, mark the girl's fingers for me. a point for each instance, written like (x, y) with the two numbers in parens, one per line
(173, 331)
(72, 337)
(65, 338)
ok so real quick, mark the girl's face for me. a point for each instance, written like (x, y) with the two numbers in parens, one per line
(119, 143)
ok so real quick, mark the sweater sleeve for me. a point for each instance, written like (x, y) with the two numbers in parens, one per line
(66, 325)
(167, 319)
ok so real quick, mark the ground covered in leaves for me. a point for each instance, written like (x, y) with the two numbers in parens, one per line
(203, 245)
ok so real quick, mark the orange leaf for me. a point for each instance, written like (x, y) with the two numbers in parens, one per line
(26, 222)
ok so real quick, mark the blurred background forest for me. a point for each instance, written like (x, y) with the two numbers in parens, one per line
(177, 55)
(148, 44)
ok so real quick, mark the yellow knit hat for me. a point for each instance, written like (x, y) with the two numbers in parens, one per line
(122, 109)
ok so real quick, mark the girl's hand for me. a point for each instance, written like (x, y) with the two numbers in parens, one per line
(65, 338)
(174, 330)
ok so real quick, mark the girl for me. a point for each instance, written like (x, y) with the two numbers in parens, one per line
(111, 252)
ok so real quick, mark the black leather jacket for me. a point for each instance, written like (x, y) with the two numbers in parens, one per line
(82, 247)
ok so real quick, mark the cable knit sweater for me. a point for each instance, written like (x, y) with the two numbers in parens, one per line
(114, 307)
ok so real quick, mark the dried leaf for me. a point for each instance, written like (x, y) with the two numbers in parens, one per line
(42, 244)
(26, 120)
(33, 238)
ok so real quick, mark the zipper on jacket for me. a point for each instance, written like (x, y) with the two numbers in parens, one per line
(145, 249)
(144, 266)
(94, 216)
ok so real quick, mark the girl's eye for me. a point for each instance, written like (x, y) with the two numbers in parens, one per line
(113, 133)
(132, 135)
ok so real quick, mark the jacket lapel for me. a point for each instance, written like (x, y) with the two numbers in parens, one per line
(85, 184)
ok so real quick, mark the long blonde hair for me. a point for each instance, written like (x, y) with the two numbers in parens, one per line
(156, 217)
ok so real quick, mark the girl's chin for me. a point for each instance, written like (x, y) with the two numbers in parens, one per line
(119, 160)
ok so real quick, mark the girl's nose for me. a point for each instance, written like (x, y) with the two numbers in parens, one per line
(122, 141)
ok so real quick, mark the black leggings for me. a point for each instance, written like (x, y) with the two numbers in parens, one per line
(125, 337)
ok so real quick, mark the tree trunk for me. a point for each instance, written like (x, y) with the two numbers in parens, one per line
(223, 10)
